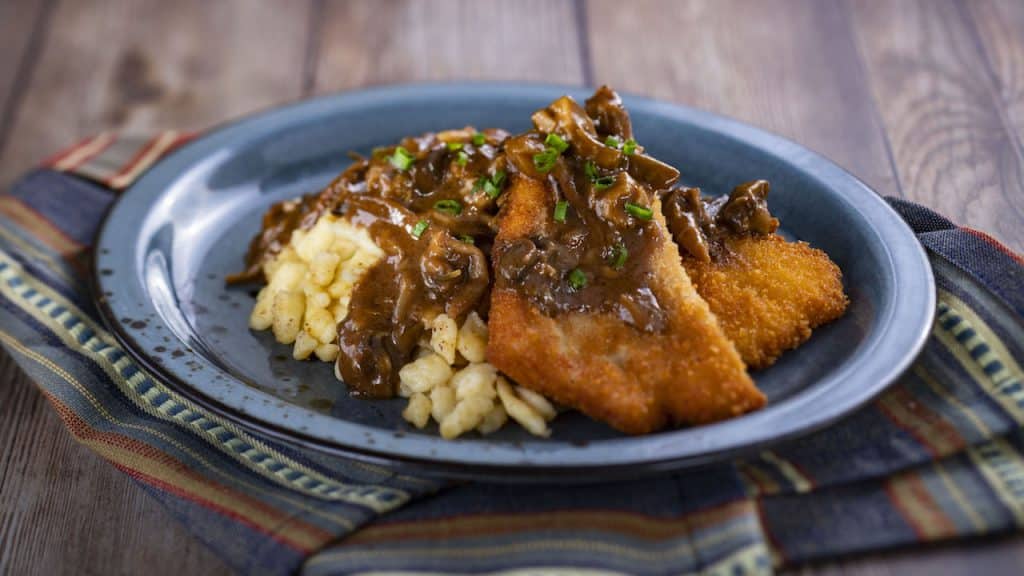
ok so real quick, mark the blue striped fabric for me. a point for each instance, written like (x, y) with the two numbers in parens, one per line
(938, 456)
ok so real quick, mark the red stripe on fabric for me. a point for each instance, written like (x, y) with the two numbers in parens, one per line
(920, 492)
(82, 431)
(920, 411)
(172, 489)
(87, 157)
(139, 155)
(489, 524)
(39, 225)
(995, 244)
(778, 551)
(67, 151)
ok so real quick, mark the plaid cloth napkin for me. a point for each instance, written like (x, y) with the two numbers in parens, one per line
(938, 456)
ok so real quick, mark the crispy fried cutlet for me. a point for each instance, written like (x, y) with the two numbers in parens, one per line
(636, 381)
(768, 294)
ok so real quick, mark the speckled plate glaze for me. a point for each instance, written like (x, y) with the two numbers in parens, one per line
(170, 240)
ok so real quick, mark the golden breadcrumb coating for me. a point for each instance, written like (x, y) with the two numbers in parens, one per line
(768, 294)
(635, 381)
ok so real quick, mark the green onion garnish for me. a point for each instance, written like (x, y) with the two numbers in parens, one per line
(453, 207)
(462, 158)
(491, 186)
(401, 159)
(467, 239)
(419, 228)
(545, 160)
(491, 190)
(590, 170)
(629, 147)
(453, 146)
(555, 142)
(619, 256)
(641, 212)
(612, 142)
(479, 139)
(577, 279)
(603, 182)
(560, 209)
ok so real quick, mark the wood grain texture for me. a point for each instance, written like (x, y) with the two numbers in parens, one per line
(144, 65)
(790, 67)
(21, 25)
(372, 42)
(64, 510)
(944, 117)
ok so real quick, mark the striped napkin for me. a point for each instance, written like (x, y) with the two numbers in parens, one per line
(938, 456)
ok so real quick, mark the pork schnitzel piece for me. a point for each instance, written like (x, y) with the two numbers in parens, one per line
(591, 306)
(769, 294)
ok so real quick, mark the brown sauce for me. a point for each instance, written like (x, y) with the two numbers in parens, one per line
(431, 205)
(594, 253)
(700, 225)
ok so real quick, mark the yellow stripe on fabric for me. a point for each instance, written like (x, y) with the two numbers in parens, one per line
(84, 152)
(788, 471)
(940, 391)
(164, 141)
(959, 498)
(55, 265)
(378, 498)
(1003, 469)
(751, 560)
(1001, 384)
(13, 343)
(757, 482)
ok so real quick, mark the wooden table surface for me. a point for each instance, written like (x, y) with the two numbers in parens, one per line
(920, 99)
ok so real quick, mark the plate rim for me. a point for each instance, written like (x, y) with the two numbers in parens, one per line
(517, 466)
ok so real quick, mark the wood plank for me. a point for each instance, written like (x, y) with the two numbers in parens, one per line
(133, 66)
(999, 27)
(790, 67)
(64, 510)
(139, 66)
(21, 23)
(370, 42)
(953, 146)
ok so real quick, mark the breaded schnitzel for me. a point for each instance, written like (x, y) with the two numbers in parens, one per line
(768, 294)
(637, 381)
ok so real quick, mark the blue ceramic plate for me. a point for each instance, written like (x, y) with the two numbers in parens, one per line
(171, 239)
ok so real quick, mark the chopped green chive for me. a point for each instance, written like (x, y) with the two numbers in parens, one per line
(561, 207)
(629, 148)
(479, 139)
(555, 142)
(641, 212)
(467, 239)
(401, 159)
(491, 190)
(498, 178)
(603, 182)
(453, 146)
(453, 207)
(419, 228)
(619, 256)
(577, 279)
(545, 160)
(462, 158)
(612, 142)
(600, 182)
